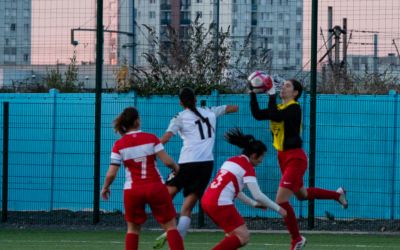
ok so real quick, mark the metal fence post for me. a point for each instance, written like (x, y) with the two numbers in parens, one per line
(97, 132)
(394, 161)
(313, 106)
(53, 94)
(4, 213)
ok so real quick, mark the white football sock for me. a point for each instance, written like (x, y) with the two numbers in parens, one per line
(183, 225)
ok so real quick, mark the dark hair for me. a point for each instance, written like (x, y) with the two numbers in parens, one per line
(297, 86)
(188, 99)
(126, 120)
(249, 144)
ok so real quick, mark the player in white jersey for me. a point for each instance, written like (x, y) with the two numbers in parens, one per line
(235, 174)
(196, 126)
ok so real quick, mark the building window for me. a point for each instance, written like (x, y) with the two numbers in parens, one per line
(199, 1)
(152, 14)
(9, 58)
(286, 17)
(199, 14)
(152, 1)
(7, 42)
(26, 57)
(26, 27)
(26, 13)
(13, 27)
(269, 31)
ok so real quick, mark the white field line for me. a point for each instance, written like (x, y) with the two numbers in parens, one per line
(362, 246)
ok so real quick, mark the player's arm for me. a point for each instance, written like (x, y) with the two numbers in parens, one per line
(110, 177)
(166, 137)
(246, 199)
(262, 199)
(174, 126)
(168, 161)
(231, 109)
(258, 114)
(224, 109)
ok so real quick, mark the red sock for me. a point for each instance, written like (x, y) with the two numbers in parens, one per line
(228, 243)
(291, 222)
(322, 194)
(175, 241)
(131, 241)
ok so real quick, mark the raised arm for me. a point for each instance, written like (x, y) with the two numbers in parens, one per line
(231, 109)
(258, 114)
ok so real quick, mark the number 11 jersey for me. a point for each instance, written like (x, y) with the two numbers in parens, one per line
(198, 135)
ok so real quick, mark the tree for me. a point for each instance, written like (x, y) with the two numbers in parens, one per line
(55, 80)
(195, 59)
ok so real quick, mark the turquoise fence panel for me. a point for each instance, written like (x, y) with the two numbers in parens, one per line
(354, 138)
(52, 145)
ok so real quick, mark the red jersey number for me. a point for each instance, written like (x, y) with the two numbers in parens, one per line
(218, 180)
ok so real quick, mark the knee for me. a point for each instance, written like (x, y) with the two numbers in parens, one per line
(244, 237)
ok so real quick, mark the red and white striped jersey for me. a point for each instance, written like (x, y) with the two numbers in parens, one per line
(137, 151)
(230, 180)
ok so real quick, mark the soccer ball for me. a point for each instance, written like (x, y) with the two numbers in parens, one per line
(260, 81)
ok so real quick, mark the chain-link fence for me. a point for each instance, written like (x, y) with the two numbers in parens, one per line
(47, 44)
(155, 46)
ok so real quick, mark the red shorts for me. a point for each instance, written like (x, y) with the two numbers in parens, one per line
(226, 217)
(293, 164)
(156, 196)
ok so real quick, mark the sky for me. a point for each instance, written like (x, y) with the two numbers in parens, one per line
(52, 21)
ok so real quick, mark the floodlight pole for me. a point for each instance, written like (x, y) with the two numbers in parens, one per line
(313, 106)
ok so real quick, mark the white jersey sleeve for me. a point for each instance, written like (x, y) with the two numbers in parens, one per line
(246, 199)
(218, 110)
(260, 197)
(175, 125)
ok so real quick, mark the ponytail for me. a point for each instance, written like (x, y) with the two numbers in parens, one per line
(126, 120)
(188, 99)
(247, 142)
